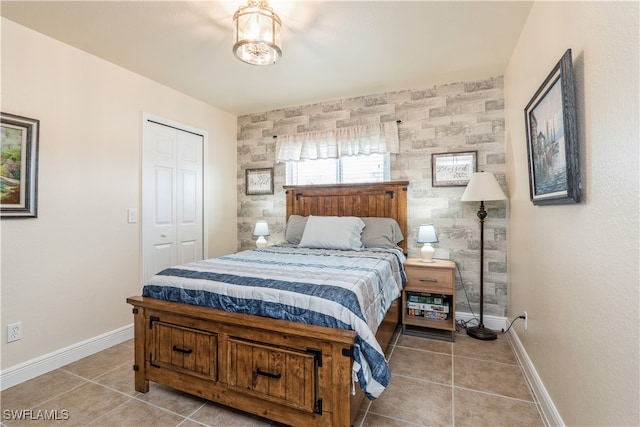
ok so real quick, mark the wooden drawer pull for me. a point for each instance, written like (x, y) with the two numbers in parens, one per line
(181, 350)
(429, 280)
(268, 374)
(264, 373)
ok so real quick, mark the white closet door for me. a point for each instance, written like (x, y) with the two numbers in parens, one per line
(171, 197)
(189, 197)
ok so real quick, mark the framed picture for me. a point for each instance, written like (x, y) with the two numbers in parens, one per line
(259, 181)
(552, 146)
(18, 166)
(453, 169)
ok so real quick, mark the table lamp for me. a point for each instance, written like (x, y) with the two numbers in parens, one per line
(261, 229)
(427, 235)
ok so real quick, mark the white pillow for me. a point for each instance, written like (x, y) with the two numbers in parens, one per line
(333, 232)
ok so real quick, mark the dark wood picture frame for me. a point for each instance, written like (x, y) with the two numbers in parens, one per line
(453, 169)
(18, 166)
(552, 145)
(258, 181)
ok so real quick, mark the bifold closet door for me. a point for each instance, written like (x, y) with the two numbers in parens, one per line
(172, 197)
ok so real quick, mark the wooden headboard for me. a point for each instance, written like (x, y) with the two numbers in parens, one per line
(383, 199)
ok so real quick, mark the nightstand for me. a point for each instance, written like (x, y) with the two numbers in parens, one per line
(429, 298)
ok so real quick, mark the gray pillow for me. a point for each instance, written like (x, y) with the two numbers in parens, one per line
(333, 232)
(295, 228)
(381, 233)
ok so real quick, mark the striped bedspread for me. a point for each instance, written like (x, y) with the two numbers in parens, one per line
(333, 288)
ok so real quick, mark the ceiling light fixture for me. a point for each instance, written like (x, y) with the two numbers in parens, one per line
(256, 30)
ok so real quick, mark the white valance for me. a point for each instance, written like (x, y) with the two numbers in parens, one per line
(334, 143)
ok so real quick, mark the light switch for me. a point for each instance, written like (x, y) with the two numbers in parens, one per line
(132, 215)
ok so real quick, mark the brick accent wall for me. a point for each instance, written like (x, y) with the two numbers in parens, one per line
(465, 116)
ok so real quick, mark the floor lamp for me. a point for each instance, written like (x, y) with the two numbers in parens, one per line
(482, 187)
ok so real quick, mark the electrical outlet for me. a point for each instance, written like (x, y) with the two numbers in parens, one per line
(526, 320)
(14, 332)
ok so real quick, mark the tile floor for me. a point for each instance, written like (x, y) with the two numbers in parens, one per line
(435, 383)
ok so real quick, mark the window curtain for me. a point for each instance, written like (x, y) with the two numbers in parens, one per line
(335, 143)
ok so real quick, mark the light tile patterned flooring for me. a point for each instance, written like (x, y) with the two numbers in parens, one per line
(434, 383)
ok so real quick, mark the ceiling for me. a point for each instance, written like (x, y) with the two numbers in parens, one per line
(331, 49)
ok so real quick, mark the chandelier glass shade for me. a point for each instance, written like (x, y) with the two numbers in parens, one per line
(257, 30)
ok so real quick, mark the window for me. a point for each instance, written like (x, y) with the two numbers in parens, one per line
(346, 169)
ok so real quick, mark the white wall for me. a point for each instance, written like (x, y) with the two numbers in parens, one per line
(574, 268)
(66, 274)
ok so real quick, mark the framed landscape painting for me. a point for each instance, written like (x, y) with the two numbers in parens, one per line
(18, 166)
(552, 146)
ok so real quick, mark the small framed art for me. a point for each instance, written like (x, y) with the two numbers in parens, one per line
(453, 169)
(18, 166)
(552, 145)
(259, 181)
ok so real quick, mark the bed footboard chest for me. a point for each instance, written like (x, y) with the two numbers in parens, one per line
(287, 372)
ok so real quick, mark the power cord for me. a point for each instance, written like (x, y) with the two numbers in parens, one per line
(511, 324)
(464, 323)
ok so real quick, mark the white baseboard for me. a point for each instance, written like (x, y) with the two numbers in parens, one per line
(43, 364)
(549, 411)
(496, 323)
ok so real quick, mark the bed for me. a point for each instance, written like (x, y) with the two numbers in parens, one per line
(284, 369)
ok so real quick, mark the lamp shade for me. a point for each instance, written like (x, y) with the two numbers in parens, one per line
(427, 234)
(482, 187)
(261, 229)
